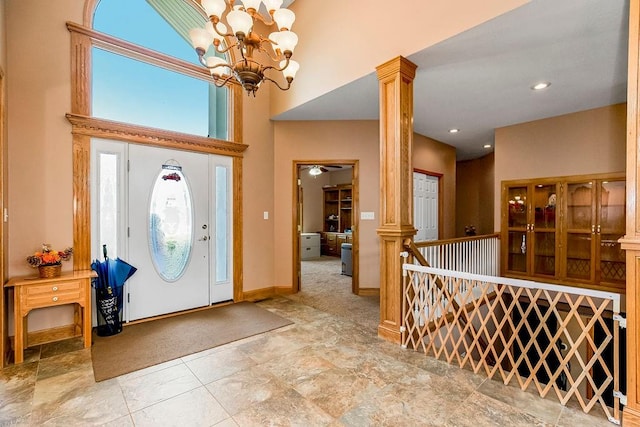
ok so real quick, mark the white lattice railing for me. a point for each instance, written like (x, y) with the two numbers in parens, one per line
(477, 254)
(531, 334)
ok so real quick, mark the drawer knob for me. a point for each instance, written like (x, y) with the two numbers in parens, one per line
(55, 299)
(55, 288)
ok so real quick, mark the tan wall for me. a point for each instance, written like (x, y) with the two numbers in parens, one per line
(335, 140)
(258, 193)
(39, 136)
(369, 35)
(432, 156)
(474, 195)
(586, 142)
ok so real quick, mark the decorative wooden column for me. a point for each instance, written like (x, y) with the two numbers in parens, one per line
(631, 241)
(396, 179)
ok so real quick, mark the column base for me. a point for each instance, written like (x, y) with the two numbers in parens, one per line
(630, 417)
(390, 333)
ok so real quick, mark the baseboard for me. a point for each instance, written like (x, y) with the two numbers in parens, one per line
(258, 294)
(283, 290)
(369, 292)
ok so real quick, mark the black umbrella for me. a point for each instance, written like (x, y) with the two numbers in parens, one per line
(112, 273)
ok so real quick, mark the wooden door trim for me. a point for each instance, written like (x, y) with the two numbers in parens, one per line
(355, 219)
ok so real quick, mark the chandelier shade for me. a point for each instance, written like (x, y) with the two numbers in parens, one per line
(242, 42)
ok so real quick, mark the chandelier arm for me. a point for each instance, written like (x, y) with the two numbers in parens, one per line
(258, 15)
(228, 48)
(224, 81)
(275, 58)
(288, 58)
(278, 84)
(214, 21)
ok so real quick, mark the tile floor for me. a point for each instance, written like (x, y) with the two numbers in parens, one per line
(323, 370)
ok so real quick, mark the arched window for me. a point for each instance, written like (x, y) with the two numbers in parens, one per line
(126, 87)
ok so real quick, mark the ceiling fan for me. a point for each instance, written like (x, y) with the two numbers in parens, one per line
(315, 170)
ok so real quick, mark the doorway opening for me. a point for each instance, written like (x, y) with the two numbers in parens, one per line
(326, 224)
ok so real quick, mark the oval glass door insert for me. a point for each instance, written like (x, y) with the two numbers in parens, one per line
(170, 223)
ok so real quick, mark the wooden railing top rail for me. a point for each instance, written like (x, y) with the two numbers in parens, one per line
(456, 240)
(411, 247)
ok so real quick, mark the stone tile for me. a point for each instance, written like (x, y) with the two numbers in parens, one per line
(60, 347)
(229, 422)
(298, 366)
(147, 390)
(269, 346)
(547, 410)
(289, 409)
(245, 388)
(17, 385)
(149, 370)
(570, 417)
(64, 363)
(337, 390)
(124, 421)
(76, 399)
(480, 411)
(219, 364)
(196, 407)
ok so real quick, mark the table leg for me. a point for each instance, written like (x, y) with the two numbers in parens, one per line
(18, 326)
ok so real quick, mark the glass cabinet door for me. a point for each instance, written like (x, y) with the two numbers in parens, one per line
(544, 229)
(610, 228)
(517, 229)
(580, 231)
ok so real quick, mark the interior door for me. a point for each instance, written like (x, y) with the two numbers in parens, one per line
(169, 231)
(425, 206)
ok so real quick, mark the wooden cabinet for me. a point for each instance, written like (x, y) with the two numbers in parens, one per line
(565, 230)
(331, 243)
(337, 208)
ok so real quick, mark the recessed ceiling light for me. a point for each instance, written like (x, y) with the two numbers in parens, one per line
(487, 146)
(540, 86)
(454, 130)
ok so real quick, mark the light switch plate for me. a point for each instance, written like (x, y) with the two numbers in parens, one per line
(367, 215)
(265, 215)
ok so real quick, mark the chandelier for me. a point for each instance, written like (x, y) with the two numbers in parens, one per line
(245, 42)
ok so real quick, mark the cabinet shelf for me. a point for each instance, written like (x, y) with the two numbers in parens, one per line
(338, 205)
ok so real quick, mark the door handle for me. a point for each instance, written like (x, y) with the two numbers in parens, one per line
(203, 239)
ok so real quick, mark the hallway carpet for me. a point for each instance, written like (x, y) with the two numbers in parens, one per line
(150, 343)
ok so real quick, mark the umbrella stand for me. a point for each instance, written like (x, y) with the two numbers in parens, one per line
(112, 273)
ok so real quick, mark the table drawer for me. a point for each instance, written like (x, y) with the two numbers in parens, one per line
(52, 294)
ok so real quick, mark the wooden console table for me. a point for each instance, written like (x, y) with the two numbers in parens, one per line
(34, 292)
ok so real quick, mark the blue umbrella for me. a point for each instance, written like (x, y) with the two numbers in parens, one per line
(112, 273)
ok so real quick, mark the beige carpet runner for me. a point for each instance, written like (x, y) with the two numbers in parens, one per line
(146, 344)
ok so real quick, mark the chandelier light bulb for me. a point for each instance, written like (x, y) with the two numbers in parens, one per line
(252, 4)
(240, 21)
(218, 63)
(291, 70)
(201, 39)
(287, 41)
(284, 19)
(214, 7)
(272, 5)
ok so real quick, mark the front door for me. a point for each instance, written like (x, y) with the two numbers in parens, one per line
(169, 231)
